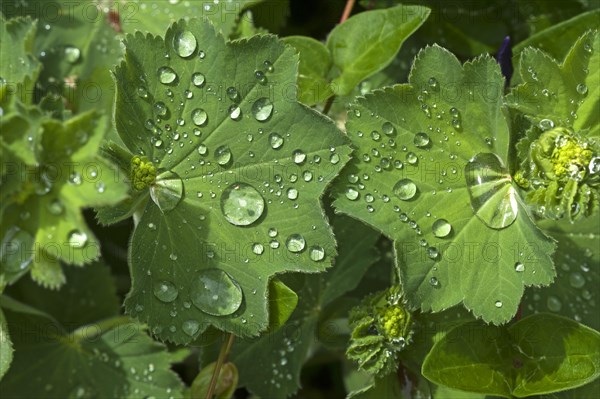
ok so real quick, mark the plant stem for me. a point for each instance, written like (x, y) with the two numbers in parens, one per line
(225, 348)
(347, 10)
(345, 15)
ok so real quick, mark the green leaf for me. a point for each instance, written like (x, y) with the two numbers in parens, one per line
(237, 160)
(282, 302)
(17, 64)
(100, 353)
(558, 39)
(6, 347)
(558, 152)
(420, 149)
(539, 354)
(42, 223)
(574, 293)
(284, 351)
(73, 306)
(367, 42)
(315, 64)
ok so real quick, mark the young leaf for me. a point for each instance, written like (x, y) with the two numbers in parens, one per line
(429, 173)
(42, 223)
(285, 350)
(537, 355)
(367, 42)
(315, 64)
(560, 154)
(17, 64)
(229, 162)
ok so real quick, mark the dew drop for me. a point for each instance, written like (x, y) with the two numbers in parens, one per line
(421, 140)
(198, 79)
(546, 124)
(77, 238)
(167, 190)
(576, 280)
(165, 291)
(199, 117)
(275, 140)
(388, 128)
(519, 267)
(258, 249)
(56, 207)
(242, 204)
(498, 304)
(215, 292)
(295, 243)
(185, 43)
(493, 198)
(582, 89)
(190, 327)
(411, 158)
(262, 109)
(554, 304)
(223, 155)
(298, 156)
(434, 282)
(316, 253)
(72, 54)
(405, 189)
(351, 194)
(441, 228)
(292, 193)
(166, 75)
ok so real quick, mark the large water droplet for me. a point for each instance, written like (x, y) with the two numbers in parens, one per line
(199, 117)
(421, 140)
(441, 228)
(405, 189)
(213, 291)
(351, 194)
(493, 198)
(316, 253)
(165, 291)
(295, 243)
(262, 109)
(223, 155)
(166, 75)
(167, 190)
(185, 43)
(242, 204)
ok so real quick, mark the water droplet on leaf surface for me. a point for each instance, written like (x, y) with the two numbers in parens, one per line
(213, 291)
(405, 189)
(165, 291)
(166, 75)
(242, 204)
(167, 190)
(262, 109)
(441, 228)
(493, 198)
(295, 243)
(185, 43)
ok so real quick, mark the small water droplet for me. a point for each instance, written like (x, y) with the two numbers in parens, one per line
(258, 248)
(519, 267)
(198, 79)
(295, 243)
(165, 291)
(275, 140)
(298, 156)
(554, 304)
(582, 89)
(72, 54)
(351, 194)
(77, 238)
(316, 253)
(223, 155)
(166, 75)
(498, 304)
(199, 117)
(421, 140)
(576, 280)
(441, 228)
(262, 109)
(190, 327)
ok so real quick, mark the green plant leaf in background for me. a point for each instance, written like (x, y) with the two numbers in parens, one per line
(284, 351)
(100, 353)
(428, 173)
(42, 223)
(367, 42)
(17, 64)
(237, 159)
(560, 154)
(6, 346)
(539, 354)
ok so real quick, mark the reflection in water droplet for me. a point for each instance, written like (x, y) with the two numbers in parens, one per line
(165, 291)
(421, 140)
(198, 79)
(295, 243)
(316, 253)
(576, 280)
(242, 204)
(262, 109)
(166, 75)
(223, 155)
(213, 291)
(405, 189)
(275, 140)
(199, 117)
(493, 198)
(441, 228)
(185, 43)
(190, 327)
(167, 190)
(298, 156)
